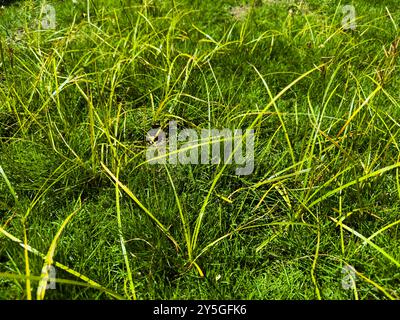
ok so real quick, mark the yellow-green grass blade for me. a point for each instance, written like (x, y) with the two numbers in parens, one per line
(137, 201)
(8, 183)
(48, 260)
(184, 219)
(11, 276)
(353, 182)
(61, 266)
(122, 240)
(367, 241)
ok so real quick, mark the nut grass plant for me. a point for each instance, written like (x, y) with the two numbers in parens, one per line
(77, 102)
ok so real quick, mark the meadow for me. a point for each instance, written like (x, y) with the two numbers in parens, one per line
(84, 215)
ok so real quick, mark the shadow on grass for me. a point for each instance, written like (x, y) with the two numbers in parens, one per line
(7, 2)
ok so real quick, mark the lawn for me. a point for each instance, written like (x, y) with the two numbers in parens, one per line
(85, 215)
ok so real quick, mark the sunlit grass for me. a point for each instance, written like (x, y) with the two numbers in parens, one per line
(77, 192)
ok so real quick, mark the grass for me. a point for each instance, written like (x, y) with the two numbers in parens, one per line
(76, 191)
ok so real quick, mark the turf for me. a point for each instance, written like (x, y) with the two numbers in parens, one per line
(76, 192)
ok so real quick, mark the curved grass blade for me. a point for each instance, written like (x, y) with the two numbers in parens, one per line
(61, 266)
(137, 201)
(368, 241)
(48, 260)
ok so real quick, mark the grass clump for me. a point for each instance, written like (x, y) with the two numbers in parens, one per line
(78, 195)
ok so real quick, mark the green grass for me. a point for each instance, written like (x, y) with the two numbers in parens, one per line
(76, 192)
